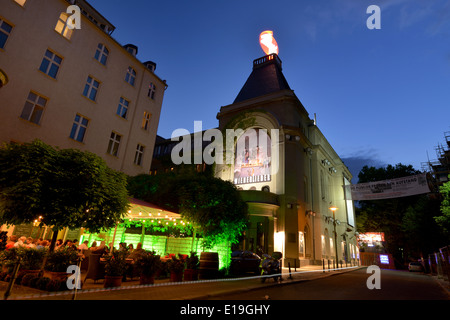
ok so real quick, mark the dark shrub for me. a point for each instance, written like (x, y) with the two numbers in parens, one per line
(42, 283)
(3, 276)
(33, 282)
(53, 285)
(27, 278)
(19, 277)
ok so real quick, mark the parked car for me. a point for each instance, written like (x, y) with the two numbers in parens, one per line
(243, 262)
(415, 266)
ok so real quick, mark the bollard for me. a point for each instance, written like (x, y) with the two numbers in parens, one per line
(289, 265)
(323, 265)
(11, 282)
(74, 296)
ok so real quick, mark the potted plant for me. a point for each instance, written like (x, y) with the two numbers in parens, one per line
(176, 267)
(8, 258)
(31, 260)
(192, 264)
(115, 269)
(148, 264)
(58, 261)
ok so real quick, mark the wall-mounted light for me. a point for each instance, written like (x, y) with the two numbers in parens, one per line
(289, 206)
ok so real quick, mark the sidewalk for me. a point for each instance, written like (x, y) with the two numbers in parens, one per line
(192, 290)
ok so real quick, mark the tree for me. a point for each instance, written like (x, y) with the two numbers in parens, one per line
(212, 205)
(67, 188)
(407, 222)
(444, 219)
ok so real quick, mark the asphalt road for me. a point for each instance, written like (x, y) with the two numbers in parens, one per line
(394, 285)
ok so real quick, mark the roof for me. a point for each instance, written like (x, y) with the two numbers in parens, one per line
(266, 77)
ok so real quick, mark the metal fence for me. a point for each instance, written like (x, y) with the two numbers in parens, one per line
(438, 263)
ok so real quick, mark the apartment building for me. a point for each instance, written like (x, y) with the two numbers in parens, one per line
(65, 80)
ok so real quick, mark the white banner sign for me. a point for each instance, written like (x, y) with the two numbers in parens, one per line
(387, 189)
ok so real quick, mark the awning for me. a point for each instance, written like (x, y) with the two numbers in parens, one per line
(140, 210)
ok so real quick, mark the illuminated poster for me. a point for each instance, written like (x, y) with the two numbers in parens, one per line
(253, 157)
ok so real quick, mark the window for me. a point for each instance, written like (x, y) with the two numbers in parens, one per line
(91, 88)
(130, 76)
(146, 120)
(114, 142)
(79, 128)
(5, 31)
(122, 109)
(34, 107)
(139, 154)
(151, 91)
(62, 27)
(50, 64)
(101, 55)
(21, 2)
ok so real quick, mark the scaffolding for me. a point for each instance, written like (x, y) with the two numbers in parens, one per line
(440, 168)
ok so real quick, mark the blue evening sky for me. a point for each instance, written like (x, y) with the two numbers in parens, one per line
(380, 96)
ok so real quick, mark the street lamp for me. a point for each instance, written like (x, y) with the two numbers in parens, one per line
(333, 209)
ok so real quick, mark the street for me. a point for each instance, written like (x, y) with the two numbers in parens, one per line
(395, 285)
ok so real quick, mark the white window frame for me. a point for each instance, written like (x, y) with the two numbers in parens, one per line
(151, 91)
(79, 124)
(146, 120)
(114, 144)
(122, 109)
(51, 62)
(139, 155)
(130, 77)
(36, 108)
(62, 26)
(4, 31)
(91, 86)
(101, 53)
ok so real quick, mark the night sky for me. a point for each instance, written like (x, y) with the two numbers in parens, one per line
(381, 96)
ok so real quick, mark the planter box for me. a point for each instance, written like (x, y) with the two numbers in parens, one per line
(112, 281)
(190, 275)
(176, 276)
(145, 279)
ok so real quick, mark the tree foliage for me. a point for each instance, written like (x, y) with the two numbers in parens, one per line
(68, 188)
(444, 219)
(212, 205)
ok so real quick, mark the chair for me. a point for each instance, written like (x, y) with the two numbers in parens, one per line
(85, 263)
(96, 270)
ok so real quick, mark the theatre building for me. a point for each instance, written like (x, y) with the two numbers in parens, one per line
(286, 171)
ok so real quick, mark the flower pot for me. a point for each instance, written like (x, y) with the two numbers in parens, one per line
(60, 276)
(190, 275)
(176, 276)
(146, 279)
(112, 281)
(35, 272)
